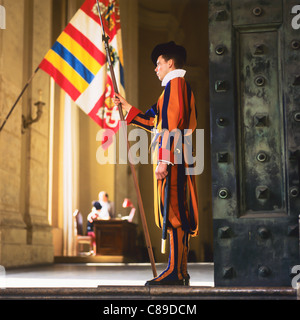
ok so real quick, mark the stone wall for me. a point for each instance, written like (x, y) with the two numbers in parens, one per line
(25, 234)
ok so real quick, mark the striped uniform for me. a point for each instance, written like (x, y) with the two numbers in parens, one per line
(175, 110)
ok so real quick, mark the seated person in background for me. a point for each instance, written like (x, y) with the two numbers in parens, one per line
(107, 206)
(93, 215)
(128, 204)
(96, 214)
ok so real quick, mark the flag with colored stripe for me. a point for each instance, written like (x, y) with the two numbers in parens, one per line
(77, 61)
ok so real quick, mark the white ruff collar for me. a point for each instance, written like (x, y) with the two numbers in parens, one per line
(178, 73)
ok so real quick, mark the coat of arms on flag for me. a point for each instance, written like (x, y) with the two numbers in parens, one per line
(77, 61)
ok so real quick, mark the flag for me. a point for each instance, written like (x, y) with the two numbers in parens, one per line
(77, 61)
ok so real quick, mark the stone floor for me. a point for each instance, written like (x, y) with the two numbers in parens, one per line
(122, 281)
(91, 275)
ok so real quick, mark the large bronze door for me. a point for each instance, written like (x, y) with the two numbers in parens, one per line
(255, 137)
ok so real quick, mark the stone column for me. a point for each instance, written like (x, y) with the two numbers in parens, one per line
(12, 227)
(25, 235)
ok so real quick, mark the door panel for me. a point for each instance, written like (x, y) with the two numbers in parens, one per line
(255, 141)
(261, 124)
(249, 12)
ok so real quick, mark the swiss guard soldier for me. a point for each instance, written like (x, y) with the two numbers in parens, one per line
(174, 111)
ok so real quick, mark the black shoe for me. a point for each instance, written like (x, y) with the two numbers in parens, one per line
(186, 280)
(164, 282)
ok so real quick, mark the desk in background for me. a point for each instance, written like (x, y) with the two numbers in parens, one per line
(115, 238)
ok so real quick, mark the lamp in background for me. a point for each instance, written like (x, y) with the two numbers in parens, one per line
(127, 204)
(29, 121)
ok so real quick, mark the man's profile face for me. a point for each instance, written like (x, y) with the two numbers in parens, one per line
(162, 68)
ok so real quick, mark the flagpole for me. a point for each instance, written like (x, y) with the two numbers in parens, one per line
(19, 97)
(105, 39)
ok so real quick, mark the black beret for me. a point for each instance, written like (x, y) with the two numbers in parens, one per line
(169, 48)
(97, 205)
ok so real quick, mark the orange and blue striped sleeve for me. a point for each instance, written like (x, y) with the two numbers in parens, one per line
(143, 120)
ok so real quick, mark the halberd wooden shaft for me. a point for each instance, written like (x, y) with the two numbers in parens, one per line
(133, 171)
